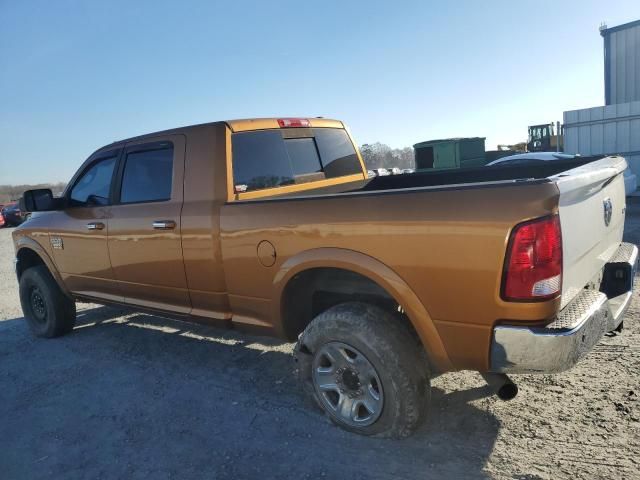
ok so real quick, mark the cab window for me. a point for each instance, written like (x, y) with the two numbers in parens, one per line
(260, 160)
(272, 158)
(336, 150)
(92, 188)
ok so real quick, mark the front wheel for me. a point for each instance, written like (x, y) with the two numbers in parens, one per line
(365, 369)
(48, 312)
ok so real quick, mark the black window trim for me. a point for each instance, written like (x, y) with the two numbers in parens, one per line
(98, 157)
(137, 148)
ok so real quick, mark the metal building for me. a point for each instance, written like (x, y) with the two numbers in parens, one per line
(605, 130)
(621, 63)
(615, 127)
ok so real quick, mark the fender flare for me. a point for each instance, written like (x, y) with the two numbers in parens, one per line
(379, 273)
(26, 243)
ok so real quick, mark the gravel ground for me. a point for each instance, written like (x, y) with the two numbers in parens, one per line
(131, 395)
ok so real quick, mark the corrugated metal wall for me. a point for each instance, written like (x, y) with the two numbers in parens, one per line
(622, 63)
(612, 129)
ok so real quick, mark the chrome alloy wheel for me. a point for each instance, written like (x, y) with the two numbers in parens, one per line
(347, 384)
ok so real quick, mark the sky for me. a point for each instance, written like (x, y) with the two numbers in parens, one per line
(76, 75)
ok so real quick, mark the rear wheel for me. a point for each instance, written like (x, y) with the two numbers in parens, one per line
(48, 312)
(365, 369)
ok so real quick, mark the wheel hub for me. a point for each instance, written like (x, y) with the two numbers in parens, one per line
(38, 305)
(348, 379)
(347, 384)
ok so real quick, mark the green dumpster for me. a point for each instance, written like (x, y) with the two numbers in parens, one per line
(450, 153)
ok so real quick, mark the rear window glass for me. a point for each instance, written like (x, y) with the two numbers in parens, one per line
(266, 159)
(303, 155)
(338, 156)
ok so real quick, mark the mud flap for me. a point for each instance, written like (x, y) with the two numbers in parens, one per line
(304, 360)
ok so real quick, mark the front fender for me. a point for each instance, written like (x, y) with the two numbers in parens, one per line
(377, 272)
(24, 242)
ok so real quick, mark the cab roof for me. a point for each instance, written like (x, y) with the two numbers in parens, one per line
(237, 125)
(243, 125)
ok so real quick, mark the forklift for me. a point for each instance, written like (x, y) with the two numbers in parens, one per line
(544, 138)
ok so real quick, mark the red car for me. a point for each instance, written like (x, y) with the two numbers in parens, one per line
(1, 216)
(12, 214)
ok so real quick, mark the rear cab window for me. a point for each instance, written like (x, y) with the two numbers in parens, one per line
(268, 159)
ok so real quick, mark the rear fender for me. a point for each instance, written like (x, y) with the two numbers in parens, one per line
(378, 273)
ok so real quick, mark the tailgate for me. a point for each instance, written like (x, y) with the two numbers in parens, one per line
(592, 207)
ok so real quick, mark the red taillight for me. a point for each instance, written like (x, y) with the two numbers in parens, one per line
(293, 122)
(533, 266)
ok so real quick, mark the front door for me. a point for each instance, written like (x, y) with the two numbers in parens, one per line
(144, 224)
(79, 236)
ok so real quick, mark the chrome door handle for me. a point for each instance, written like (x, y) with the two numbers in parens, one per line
(164, 225)
(95, 226)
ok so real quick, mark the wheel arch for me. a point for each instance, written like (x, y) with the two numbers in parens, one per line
(30, 253)
(382, 282)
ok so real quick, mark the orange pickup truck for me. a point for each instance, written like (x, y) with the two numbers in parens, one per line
(273, 225)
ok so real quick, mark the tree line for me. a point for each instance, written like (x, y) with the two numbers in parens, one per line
(10, 193)
(379, 155)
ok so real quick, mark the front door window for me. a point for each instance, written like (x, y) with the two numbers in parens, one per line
(92, 188)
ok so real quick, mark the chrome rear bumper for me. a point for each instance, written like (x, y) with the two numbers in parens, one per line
(559, 345)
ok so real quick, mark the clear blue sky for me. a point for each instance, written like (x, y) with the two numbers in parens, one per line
(77, 75)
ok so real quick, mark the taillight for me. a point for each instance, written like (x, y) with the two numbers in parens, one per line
(533, 265)
(293, 122)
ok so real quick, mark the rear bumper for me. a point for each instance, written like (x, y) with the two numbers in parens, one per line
(578, 327)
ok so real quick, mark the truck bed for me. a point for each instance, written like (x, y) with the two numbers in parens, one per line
(444, 233)
(463, 177)
(498, 173)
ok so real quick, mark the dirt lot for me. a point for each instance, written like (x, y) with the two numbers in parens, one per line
(129, 395)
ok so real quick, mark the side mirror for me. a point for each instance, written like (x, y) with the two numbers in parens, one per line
(97, 201)
(39, 200)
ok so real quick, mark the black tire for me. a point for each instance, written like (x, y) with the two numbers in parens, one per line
(389, 346)
(48, 311)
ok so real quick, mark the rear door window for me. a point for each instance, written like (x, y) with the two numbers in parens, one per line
(270, 158)
(147, 175)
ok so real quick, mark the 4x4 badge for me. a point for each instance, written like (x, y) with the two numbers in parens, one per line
(56, 242)
(608, 210)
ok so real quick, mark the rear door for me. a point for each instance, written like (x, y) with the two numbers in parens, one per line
(144, 225)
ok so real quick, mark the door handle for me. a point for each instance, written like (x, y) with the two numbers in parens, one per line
(95, 226)
(164, 225)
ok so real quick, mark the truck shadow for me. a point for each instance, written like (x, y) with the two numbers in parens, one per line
(169, 398)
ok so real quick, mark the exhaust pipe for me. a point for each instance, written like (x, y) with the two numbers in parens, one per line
(502, 385)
